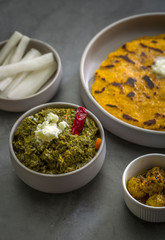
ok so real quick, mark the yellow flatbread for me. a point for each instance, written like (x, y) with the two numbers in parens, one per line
(126, 86)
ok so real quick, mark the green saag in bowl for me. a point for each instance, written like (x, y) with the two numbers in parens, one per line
(47, 156)
(62, 154)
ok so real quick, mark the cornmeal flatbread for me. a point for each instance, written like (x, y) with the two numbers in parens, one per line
(126, 86)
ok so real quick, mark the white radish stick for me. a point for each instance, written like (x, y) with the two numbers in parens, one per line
(32, 53)
(20, 50)
(28, 65)
(13, 40)
(32, 83)
(16, 57)
(7, 60)
(5, 83)
(9, 56)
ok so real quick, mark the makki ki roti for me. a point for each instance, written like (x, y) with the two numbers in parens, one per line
(126, 86)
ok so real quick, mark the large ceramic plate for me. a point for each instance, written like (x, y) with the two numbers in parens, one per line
(106, 41)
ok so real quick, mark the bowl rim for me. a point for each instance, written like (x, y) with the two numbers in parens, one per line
(82, 77)
(56, 74)
(35, 110)
(124, 181)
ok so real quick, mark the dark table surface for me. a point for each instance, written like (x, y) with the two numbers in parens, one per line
(96, 211)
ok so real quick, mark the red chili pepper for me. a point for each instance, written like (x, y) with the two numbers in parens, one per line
(79, 121)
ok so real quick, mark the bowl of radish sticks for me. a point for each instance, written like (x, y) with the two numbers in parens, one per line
(30, 73)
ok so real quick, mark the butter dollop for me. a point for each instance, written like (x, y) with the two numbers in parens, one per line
(50, 128)
(159, 66)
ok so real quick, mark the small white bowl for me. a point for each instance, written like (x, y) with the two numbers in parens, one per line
(45, 93)
(106, 41)
(58, 183)
(141, 164)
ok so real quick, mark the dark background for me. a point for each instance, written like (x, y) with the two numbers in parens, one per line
(96, 211)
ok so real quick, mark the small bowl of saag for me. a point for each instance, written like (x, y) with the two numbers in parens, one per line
(57, 147)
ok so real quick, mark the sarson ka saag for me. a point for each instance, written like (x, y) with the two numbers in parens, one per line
(56, 140)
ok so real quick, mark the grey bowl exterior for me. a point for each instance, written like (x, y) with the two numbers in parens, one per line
(64, 182)
(140, 164)
(45, 93)
(107, 40)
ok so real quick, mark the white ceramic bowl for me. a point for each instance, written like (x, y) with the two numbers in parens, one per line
(106, 41)
(45, 93)
(140, 164)
(60, 183)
